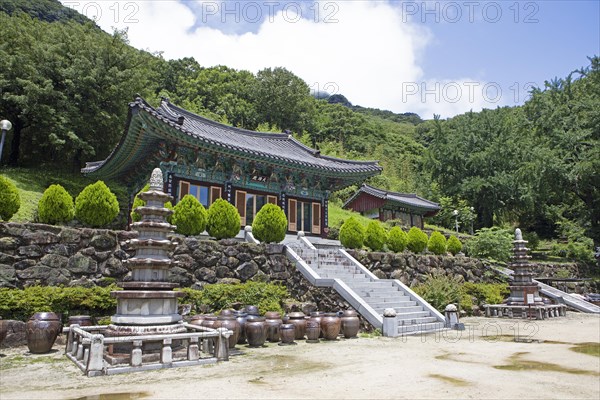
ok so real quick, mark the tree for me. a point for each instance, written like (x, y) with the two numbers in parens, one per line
(283, 99)
(417, 240)
(223, 220)
(352, 234)
(189, 216)
(56, 205)
(270, 224)
(397, 240)
(454, 245)
(437, 243)
(96, 205)
(375, 236)
(10, 201)
(491, 243)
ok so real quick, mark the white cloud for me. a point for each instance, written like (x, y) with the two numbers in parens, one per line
(370, 55)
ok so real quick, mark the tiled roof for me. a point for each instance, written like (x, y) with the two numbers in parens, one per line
(408, 199)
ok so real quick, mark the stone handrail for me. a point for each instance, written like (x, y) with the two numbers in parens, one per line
(248, 236)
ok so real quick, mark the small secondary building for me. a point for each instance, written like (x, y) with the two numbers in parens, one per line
(383, 205)
(210, 160)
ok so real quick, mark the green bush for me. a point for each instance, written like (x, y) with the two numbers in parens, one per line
(437, 243)
(189, 216)
(270, 224)
(10, 201)
(223, 220)
(267, 296)
(55, 206)
(352, 234)
(454, 245)
(397, 240)
(486, 293)
(96, 205)
(439, 291)
(20, 304)
(494, 243)
(137, 202)
(375, 236)
(417, 240)
(533, 238)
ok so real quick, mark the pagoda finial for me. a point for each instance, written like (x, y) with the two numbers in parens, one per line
(156, 180)
(518, 234)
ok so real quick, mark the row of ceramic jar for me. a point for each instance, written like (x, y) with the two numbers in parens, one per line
(248, 326)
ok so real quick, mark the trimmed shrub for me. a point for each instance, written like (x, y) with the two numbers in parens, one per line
(189, 216)
(491, 243)
(437, 243)
(137, 202)
(439, 291)
(55, 206)
(352, 234)
(10, 201)
(417, 240)
(454, 245)
(375, 236)
(270, 224)
(397, 240)
(223, 220)
(96, 205)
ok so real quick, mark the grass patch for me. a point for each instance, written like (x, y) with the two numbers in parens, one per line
(337, 215)
(449, 379)
(517, 363)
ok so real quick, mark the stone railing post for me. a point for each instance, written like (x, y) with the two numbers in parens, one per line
(193, 353)
(390, 323)
(96, 357)
(222, 346)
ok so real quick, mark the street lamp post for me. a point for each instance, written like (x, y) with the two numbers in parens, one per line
(5, 125)
(455, 212)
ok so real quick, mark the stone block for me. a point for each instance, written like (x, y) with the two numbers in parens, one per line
(16, 333)
(246, 271)
(82, 264)
(69, 235)
(104, 241)
(222, 271)
(41, 237)
(8, 259)
(206, 275)
(9, 243)
(8, 276)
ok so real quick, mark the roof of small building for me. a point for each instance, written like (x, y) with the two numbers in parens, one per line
(177, 124)
(410, 200)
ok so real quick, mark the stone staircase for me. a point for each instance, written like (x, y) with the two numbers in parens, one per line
(369, 295)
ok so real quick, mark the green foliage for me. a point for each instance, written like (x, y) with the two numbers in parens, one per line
(486, 293)
(20, 304)
(437, 243)
(56, 205)
(10, 202)
(494, 243)
(352, 234)
(397, 240)
(223, 220)
(270, 224)
(533, 238)
(96, 205)
(375, 236)
(267, 296)
(439, 291)
(189, 216)
(138, 202)
(454, 245)
(417, 240)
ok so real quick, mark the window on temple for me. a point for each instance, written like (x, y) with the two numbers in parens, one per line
(205, 194)
(249, 204)
(304, 216)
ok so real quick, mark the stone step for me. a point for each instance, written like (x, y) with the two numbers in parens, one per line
(412, 321)
(381, 294)
(414, 315)
(399, 310)
(408, 306)
(416, 328)
(347, 279)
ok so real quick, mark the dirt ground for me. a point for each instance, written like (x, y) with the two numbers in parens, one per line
(553, 359)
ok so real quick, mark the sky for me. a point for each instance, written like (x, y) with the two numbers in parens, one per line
(427, 57)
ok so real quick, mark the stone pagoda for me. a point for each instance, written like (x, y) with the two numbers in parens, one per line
(148, 304)
(522, 283)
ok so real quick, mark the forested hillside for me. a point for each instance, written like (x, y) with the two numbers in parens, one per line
(66, 84)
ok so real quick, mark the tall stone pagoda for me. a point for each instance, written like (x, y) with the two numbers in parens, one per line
(522, 283)
(148, 304)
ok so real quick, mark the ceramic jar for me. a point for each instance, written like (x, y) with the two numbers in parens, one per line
(330, 325)
(42, 330)
(273, 322)
(197, 319)
(210, 321)
(256, 331)
(297, 319)
(81, 320)
(317, 316)
(350, 324)
(3, 330)
(228, 321)
(287, 333)
(313, 330)
(251, 310)
(241, 317)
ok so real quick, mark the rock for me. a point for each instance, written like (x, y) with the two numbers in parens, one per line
(8, 276)
(206, 275)
(102, 255)
(232, 262)
(121, 255)
(39, 271)
(24, 264)
(185, 261)
(32, 251)
(180, 276)
(123, 236)
(81, 264)
(246, 271)
(229, 281)
(274, 248)
(228, 242)
(104, 241)
(7, 259)
(260, 260)
(389, 312)
(41, 237)
(231, 251)
(280, 276)
(114, 267)
(82, 282)
(16, 333)
(243, 257)
(13, 229)
(9, 243)
(54, 260)
(380, 274)
(191, 243)
(222, 271)
(88, 251)
(59, 249)
(308, 308)
(69, 235)
(260, 277)
(207, 262)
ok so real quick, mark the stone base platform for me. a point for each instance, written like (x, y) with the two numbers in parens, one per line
(525, 311)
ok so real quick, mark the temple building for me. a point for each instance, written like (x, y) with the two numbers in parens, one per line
(210, 160)
(383, 205)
